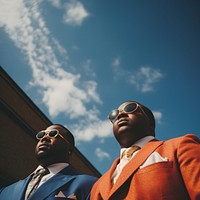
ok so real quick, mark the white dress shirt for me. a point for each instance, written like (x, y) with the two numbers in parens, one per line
(53, 169)
(140, 143)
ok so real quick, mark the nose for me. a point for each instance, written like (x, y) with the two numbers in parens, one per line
(45, 138)
(121, 114)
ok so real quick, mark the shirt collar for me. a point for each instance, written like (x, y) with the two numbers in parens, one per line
(141, 142)
(55, 168)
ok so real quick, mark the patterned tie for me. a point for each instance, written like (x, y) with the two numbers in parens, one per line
(127, 154)
(36, 178)
(125, 158)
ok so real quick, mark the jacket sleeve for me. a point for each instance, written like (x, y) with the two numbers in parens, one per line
(188, 155)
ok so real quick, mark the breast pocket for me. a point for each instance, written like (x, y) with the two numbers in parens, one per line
(155, 166)
(155, 177)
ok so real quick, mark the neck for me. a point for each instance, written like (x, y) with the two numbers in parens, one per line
(46, 162)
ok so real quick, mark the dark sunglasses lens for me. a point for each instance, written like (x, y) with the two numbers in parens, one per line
(53, 133)
(40, 134)
(130, 107)
(113, 115)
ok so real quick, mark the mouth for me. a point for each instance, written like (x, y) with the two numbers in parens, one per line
(43, 146)
(122, 122)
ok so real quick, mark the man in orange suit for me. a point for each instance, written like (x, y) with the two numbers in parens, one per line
(154, 170)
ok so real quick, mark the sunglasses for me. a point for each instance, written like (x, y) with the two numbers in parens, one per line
(50, 133)
(129, 108)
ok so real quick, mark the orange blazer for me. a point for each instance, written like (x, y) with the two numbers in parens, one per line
(167, 170)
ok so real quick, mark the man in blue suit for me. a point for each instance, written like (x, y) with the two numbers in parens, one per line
(60, 180)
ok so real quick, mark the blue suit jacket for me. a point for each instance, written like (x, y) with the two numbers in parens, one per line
(68, 181)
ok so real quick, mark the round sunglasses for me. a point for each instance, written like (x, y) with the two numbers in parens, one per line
(129, 108)
(50, 133)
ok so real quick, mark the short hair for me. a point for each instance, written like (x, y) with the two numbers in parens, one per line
(69, 135)
(150, 116)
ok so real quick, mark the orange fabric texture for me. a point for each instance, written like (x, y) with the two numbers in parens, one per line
(176, 177)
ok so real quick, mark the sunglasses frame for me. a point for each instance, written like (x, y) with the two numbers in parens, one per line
(137, 106)
(46, 133)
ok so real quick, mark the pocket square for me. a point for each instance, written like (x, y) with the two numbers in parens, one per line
(155, 157)
(72, 196)
(60, 194)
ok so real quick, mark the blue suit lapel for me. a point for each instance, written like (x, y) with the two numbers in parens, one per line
(20, 188)
(49, 187)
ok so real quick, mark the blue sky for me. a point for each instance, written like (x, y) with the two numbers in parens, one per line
(78, 60)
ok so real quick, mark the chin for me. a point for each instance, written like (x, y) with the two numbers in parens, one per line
(42, 156)
(125, 142)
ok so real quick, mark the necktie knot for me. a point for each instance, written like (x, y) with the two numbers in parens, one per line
(40, 172)
(129, 152)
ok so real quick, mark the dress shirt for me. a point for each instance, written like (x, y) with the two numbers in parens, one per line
(140, 143)
(53, 169)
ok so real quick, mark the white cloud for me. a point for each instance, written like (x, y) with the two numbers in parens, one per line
(92, 127)
(75, 13)
(157, 115)
(145, 78)
(88, 69)
(61, 91)
(116, 62)
(56, 3)
(101, 154)
(10, 14)
(118, 70)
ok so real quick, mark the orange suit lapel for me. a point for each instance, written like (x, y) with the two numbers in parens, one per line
(134, 164)
(106, 185)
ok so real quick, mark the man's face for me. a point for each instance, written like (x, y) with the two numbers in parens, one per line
(52, 148)
(130, 127)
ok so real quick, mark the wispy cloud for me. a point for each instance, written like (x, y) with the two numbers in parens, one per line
(59, 90)
(101, 154)
(117, 69)
(158, 116)
(56, 3)
(143, 79)
(88, 69)
(116, 62)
